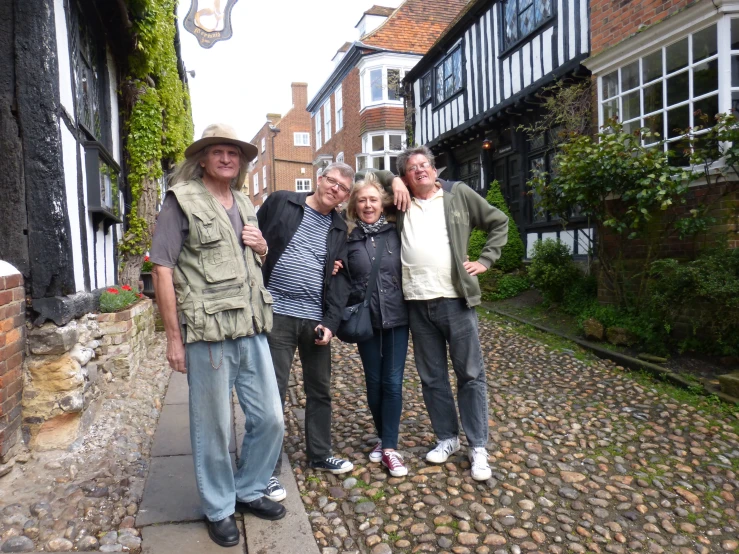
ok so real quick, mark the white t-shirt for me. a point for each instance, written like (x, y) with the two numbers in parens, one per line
(425, 253)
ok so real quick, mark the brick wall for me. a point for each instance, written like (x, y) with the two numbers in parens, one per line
(348, 139)
(612, 21)
(382, 119)
(290, 162)
(12, 339)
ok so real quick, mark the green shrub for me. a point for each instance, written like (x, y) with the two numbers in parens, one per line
(704, 291)
(510, 286)
(115, 299)
(552, 269)
(514, 251)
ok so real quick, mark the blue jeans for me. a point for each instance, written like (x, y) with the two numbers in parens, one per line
(246, 364)
(383, 358)
(434, 324)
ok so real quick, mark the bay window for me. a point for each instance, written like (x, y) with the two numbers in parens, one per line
(380, 151)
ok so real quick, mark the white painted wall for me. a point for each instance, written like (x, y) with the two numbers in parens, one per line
(69, 160)
(113, 94)
(62, 48)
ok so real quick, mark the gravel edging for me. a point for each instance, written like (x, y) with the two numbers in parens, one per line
(616, 357)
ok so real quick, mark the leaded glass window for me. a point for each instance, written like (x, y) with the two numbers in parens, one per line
(523, 17)
(426, 87)
(449, 76)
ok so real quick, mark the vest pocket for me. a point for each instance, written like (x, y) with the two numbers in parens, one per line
(262, 310)
(218, 264)
(207, 227)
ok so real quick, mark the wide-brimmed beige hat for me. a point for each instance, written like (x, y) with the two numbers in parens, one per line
(220, 133)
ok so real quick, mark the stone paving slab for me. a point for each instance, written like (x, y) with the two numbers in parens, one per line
(292, 534)
(172, 437)
(178, 392)
(170, 494)
(186, 538)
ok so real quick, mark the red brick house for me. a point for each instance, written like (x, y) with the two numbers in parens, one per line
(656, 64)
(357, 115)
(285, 151)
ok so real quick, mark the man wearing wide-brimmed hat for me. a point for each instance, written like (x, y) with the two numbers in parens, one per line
(207, 253)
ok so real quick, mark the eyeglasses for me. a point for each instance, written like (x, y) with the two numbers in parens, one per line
(333, 183)
(414, 168)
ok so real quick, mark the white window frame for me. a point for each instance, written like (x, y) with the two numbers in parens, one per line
(327, 120)
(302, 185)
(340, 157)
(256, 184)
(366, 85)
(339, 108)
(264, 177)
(301, 139)
(264, 144)
(319, 129)
(371, 158)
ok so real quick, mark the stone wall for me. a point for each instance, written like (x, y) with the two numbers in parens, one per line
(68, 366)
(12, 319)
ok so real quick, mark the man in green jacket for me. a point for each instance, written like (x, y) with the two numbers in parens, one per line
(442, 290)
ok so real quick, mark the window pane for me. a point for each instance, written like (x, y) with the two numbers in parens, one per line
(426, 87)
(631, 107)
(610, 85)
(632, 126)
(677, 121)
(378, 143)
(457, 69)
(361, 162)
(440, 83)
(511, 22)
(677, 55)
(704, 111)
(735, 34)
(735, 102)
(655, 124)
(735, 68)
(704, 43)
(630, 76)
(396, 142)
(376, 84)
(526, 21)
(610, 109)
(705, 78)
(393, 84)
(543, 10)
(652, 66)
(677, 88)
(653, 97)
(394, 165)
(681, 149)
(378, 162)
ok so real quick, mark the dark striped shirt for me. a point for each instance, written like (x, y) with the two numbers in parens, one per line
(296, 282)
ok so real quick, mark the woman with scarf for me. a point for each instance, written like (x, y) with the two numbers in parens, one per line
(383, 356)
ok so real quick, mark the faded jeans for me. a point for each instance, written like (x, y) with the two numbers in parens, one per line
(246, 364)
(434, 324)
(287, 335)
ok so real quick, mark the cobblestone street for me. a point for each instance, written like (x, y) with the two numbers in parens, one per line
(585, 457)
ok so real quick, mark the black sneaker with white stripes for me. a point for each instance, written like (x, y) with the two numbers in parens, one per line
(275, 491)
(333, 465)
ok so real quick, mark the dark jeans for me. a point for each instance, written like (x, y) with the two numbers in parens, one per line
(289, 333)
(434, 324)
(383, 358)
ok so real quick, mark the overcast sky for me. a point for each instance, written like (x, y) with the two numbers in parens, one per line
(274, 43)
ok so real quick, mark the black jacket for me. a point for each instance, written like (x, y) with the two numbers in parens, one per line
(387, 307)
(279, 219)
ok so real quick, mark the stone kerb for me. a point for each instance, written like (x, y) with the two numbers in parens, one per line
(69, 366)
(12, 319)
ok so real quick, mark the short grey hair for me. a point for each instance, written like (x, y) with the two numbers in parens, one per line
(406, 154)
(343, 169)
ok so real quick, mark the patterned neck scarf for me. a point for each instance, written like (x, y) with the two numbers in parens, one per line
(372, 228)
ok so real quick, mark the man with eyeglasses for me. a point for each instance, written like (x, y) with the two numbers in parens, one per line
(442, 290)
(305, 235)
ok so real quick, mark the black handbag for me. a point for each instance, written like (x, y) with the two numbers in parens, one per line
(356, 323)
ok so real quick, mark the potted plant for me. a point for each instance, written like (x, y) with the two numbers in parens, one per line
(147, 280)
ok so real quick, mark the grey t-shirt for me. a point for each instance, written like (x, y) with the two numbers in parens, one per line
(172, 229)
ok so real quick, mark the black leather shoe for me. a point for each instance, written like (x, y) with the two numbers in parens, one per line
(224, 532)
(263, 508)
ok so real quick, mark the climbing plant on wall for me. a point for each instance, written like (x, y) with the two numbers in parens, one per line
(158, 122)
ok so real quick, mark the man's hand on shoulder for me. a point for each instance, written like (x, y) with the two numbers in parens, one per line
(401, 196)
(474, 268)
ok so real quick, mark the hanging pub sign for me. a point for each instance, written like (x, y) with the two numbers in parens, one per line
(210, 21)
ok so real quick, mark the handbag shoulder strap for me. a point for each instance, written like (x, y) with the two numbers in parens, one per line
(380, 241)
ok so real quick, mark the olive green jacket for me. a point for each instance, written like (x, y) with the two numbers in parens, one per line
(219, 288)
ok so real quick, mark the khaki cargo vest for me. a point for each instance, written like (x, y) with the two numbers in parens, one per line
(219, 289)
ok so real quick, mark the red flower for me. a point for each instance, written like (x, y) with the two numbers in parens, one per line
(113, 291)
(146, 258)
(126, 287)
(140, 295)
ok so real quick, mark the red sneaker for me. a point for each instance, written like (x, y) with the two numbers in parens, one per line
(394, 462)
(376, 454)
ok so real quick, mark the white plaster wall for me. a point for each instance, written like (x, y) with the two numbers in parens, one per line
(90, 230)
(115, 131)
(69, 160)
(62, 48)
(109, 261)
(100, 251)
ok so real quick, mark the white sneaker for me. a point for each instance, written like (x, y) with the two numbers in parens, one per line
(275, 491)
(376, 454)
(479, 460)
(443, 450)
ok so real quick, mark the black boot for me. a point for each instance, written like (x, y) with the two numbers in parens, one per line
(263, 508)
(224, 532)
